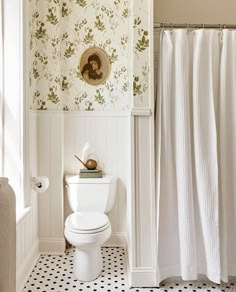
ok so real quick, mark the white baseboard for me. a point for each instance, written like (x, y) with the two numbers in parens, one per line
(57, 245)
(26, 268)
(142, 277)
(117, 239)
(52, 246)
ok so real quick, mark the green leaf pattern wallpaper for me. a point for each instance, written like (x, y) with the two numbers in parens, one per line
(60, 31)
(141, 53)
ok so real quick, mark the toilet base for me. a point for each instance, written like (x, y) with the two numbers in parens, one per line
(87, 263)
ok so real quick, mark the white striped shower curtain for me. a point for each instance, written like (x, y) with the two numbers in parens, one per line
(196, 154)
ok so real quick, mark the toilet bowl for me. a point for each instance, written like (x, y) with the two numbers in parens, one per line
(87, 232)
(88, 228)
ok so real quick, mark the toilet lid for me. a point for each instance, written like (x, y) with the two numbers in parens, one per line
(88, 221)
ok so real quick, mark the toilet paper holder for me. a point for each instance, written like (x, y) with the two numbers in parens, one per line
(40, 184)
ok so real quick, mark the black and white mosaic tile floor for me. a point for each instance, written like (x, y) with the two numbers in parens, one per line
(54, 273)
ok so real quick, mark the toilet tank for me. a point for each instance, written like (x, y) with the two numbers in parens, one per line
(91, 194)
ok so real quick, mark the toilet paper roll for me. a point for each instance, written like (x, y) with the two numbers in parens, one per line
(40, 184)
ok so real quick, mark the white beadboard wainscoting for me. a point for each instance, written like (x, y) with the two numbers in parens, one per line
(27, 249)
(60, 136)
(27, 245)
(50, 142)
(141, 203)
(124, 144)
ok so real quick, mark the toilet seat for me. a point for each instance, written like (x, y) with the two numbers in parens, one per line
(87, 222)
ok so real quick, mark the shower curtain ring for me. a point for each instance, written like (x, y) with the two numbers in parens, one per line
(221, 34)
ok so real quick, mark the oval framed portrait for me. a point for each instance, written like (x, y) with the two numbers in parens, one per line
(95, 66)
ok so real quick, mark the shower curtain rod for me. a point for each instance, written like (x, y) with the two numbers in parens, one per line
(186, 25)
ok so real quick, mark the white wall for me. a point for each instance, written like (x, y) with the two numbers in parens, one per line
(141, 203)
(60, 136)
(27, 247)
(13, 149)
(141, 198)
(201, 11)
(50, 140)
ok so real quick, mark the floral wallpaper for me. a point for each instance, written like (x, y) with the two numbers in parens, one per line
(60, 31)
(141, 51)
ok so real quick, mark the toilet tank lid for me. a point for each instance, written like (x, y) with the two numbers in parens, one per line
(75, 179)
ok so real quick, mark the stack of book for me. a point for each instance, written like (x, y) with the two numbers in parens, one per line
(86, 173)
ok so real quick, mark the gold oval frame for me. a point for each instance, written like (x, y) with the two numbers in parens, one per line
(92, 77)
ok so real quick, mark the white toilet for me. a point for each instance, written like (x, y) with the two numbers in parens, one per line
(88, 227)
